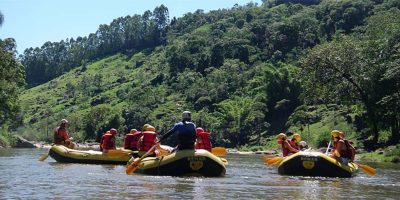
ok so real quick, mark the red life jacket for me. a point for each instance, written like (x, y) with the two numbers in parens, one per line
(347, 153)
(294, 144)
(286, 151)
(203, 141)
(148, 140)
(131, 140)
(107, 142)
(60, 135)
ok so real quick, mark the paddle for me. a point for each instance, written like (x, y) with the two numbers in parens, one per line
(327, 149)
(43, 157)
(219, 151)
(274, 161)
(268, 157)
(367, 169)
(132, 167)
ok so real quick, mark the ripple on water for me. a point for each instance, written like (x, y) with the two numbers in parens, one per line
(23, 177)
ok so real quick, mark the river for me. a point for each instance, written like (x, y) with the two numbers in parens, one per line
(24, 177)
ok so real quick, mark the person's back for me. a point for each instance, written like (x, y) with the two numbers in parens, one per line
(203, 139)
(108, 140)
(131, 139)
(147, 140)
(186, 132)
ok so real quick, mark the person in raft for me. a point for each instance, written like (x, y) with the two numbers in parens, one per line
(131, 139)
(185, 130)
(287, 148)
(61, 135)
(296, 138)
(147, 140)
(342, 150)
(107, 141)
(203, 139)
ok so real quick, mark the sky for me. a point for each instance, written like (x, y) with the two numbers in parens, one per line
(33, 22)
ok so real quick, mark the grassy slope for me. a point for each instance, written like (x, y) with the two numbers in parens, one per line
(118, 72)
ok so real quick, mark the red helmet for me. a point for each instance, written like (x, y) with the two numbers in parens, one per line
(199, 130)
(113, 131)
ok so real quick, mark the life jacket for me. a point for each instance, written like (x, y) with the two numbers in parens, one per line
(60, 135)
(147, 140)
(286, 151)
(187, 136)
(131, 140)
(107, 142)
(203, 141)
(347, 153)
(294, 144)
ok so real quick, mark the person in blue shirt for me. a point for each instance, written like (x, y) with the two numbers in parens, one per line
(185, 130)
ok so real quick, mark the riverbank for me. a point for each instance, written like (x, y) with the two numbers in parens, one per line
(387, 154)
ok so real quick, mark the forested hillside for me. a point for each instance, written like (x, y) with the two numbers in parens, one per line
(246, 73)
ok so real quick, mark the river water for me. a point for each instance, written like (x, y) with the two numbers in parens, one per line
(24, 177)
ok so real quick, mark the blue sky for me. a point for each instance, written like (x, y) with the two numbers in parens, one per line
(33, 22)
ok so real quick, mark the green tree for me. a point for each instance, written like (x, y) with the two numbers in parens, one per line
(12, 78)
(337, 72)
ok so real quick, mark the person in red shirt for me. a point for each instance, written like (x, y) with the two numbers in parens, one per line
(287, 148)
(131, 139)
(61, 135)
(203, 139)
(296, 138)
(107, 141)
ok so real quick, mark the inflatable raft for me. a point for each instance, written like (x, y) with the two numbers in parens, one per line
(63, 154)
(184, 163)
(307, 163)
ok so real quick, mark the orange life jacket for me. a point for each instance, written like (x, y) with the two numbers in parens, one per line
(107, 142)
(203, 141)
(60, 135)
(147, 141)
(131, 140)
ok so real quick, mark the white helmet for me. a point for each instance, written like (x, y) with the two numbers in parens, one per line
(64, 121)
(186, 115)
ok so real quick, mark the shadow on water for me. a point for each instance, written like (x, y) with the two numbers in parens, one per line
(23, 176)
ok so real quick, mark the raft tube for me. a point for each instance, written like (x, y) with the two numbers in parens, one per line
(308, 163)
(63, 154)
(184, 163)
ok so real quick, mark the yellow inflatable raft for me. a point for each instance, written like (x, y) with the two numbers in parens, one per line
(184, 163)
(308, 163)
(63, 154)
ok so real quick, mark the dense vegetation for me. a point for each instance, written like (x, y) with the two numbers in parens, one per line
(11, 80)
(247, 73)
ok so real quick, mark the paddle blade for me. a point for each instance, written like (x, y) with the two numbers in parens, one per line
(268, 157)
(274, 161)
(132, 167)
(367, 169)
(219, 151)
(277, 162)
(43, 157)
